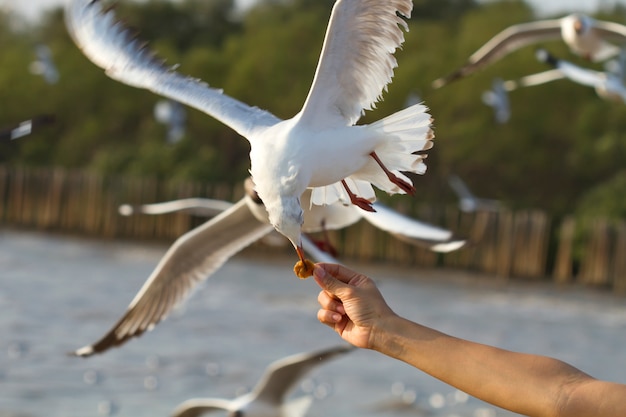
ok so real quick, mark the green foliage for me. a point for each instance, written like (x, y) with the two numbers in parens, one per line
(562, 144)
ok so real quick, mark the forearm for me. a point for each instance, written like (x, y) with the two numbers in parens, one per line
(526, 384)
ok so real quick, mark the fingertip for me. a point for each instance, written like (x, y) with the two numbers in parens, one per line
(318, 271)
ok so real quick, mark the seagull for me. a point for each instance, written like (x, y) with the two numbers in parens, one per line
(267, 397)
(26, 127)
(320, 147)
(468, 202)
(608, 85)
(498, 99)
(197, 254)
(584, 36)
(44, 65)
(172, 114)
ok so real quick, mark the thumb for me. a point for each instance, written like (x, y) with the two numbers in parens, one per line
(326, 281)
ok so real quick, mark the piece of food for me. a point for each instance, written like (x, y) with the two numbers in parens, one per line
(304, 269)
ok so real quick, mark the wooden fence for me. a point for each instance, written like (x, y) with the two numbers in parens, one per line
(523, 244)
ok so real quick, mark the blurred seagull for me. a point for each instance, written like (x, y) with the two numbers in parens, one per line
(608, 85)
(172, 114)
(498, 99)
(44, 65)
(584, 35)
(468, 202)
(320, 147)
(26, 127)
(267, 399)
(197, 254)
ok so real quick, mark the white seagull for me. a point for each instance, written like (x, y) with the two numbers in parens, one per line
(498, 96)
(196, 255)
(498, 99)
(172, 114)
(320, 147)
(267, 399)
(468, 202)
(608, 85)
(44, 65)
(585, 36)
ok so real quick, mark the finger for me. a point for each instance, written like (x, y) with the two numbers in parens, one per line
(328, 302)
(328, 317)
(326, 281)
(339, 272)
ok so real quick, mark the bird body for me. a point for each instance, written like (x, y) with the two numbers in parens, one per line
(320, 146)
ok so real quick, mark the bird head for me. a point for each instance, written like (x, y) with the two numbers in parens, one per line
(287, 217)
(581, 23)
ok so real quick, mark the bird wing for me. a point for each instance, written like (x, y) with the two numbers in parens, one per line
(326, 217)
(573, 72)
(534, 79)
(356, 62)
(189, 261)
(198, 206)
(411, 230)
(196, 407)
(580, 75)
(509, 40)
(281, 375)
(111, 46)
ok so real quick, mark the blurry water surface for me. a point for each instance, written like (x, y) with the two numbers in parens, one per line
(60, 293)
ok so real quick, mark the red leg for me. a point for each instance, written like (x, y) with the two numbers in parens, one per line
(356, 200)
(404, 185)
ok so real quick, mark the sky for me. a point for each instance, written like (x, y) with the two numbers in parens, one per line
(33, 8)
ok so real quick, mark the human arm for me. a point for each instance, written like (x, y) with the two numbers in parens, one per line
(532, 385)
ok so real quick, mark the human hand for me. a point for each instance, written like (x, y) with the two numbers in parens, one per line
(351, 304)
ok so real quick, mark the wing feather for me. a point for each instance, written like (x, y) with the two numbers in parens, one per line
(505, 42)
(112, 47)
(281, 375)
(189, 261)
(356, 62)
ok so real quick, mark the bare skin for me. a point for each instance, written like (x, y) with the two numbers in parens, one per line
(532, 385)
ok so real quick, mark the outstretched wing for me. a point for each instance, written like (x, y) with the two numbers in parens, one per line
(281, 375)
(197, 407)
(205, 207)
(356, 62)
(505, 42)
(189, 261)
(124, 58)
(412, 231)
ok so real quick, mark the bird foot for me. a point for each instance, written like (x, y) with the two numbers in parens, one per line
(405, 186)
(358, 201)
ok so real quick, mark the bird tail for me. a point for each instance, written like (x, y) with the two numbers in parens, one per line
(407, 135)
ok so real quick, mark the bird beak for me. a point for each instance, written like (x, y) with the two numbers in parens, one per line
(300, 252)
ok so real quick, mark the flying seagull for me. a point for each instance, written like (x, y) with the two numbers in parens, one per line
(468, 202)
(320, 147)
(498, 99)
(267, 399)
(196, 255)
(44, 65)
(608, 85)
(172, 114)
(585, 36)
